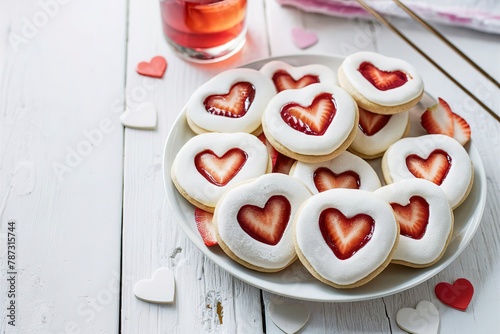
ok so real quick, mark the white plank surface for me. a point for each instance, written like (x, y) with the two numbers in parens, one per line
(58, 78)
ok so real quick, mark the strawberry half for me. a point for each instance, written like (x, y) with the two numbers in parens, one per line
(282, 81)
(234, 104)
(311, 120)
(371, 123)
(434, 168)
(345, 236)
(267, 224)
(205, 226)
(440, 119)
(382, 80)
(325, 179)
(412, 218)
(220, 170)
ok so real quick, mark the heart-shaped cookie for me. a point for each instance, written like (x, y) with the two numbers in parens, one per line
(286, 76)
(458, 295)
(356, 241)
(210, 164)
(425, 219)
(232, 101)
(424, 319)
(254, 221)
(154, 68)
(160, 289)
(436, 158)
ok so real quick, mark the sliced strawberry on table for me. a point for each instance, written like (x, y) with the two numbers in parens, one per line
(413, 217)
(382, 80)
(205, 226)
(440, 119)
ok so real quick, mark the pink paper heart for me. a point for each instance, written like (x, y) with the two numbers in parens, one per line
(302, 38)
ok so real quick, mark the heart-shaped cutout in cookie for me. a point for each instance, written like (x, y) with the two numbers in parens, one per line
(457, 295)
(290, 318)
(283, 80)
(434, 168)
(424, 319)
(266, 224)
(413, 217)
(345, 236)
(234, 104)
(302, 38)
(371, 123)
(325, 179)
(155, 68)
(382, 80)
(144, 117)
(159, 289)
(312, 120)
(220, 170)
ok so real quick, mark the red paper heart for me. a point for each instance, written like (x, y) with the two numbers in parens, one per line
(371, 123)
(457, 295)
(283, 80)
(434, 168)
(155, 68)
(267, 224)
(234, 104)
(345, 236)
(220, 170)
(382, 80)
(325, 179)
(311, 120)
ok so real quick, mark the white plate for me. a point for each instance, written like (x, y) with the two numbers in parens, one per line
(295, 281)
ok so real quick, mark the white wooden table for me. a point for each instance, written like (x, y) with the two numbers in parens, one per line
(87, 195)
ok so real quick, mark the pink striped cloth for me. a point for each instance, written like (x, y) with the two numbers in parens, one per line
(483, 15)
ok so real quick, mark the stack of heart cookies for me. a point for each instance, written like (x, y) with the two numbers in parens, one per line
(278, 167)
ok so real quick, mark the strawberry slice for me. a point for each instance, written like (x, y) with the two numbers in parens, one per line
(440, 119)
(412, 218)
(382, 80)
(325, 179)
(345, 236)
(282, 80)
(267, 224)
(205, 226)
(434, 168)
(234, 104)
(371, 123)
(220, 170)
(272, 151)
(283, 164)
(311, 120)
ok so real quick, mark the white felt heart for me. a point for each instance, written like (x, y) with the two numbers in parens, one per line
(423, 319)
(290, 318)
(303, 39)
(144, 117)
(160, 289)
